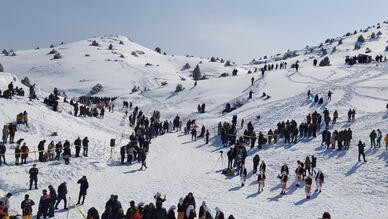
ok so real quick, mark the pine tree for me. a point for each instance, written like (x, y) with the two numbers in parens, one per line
(197, 73)
(158, 50)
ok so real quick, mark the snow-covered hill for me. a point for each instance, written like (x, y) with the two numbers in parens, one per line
(178, 165)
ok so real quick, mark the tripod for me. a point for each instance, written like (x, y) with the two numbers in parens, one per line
(220, 158)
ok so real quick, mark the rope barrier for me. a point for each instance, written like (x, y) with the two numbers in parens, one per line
(78, 209)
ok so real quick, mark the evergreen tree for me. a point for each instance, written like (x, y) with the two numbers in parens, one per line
(197, 73)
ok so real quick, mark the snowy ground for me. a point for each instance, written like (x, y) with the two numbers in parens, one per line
(176, 164)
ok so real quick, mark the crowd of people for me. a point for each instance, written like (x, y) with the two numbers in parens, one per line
(12, 91)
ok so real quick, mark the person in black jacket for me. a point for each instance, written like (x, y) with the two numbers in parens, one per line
(84, 185)
(159, 212)
(189, 200)
(77, 144)
(66, 152)
(54, 197)
(256, 160)
(34, 176)
(41, 149)
(62, 192)
(26, 206)
(85, 144)
(107, 213)
(143, 159)
(92, 214)
(44, 205)
(58, 150)
(361, 147)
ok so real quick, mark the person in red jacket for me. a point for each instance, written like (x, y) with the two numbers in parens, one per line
(136, 214)
(24, 150)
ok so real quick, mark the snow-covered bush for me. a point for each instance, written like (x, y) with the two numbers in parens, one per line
(179, 88)
(26, 81)
(94, 43)
(97, 88)
(186, 66)
(360, 39)
(224, 75)
(57, 56)
(325, 62)
(197, 73)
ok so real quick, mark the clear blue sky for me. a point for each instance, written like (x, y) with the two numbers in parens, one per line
(238, 30)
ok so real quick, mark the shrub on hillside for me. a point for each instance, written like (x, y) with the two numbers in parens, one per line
(323, 52)
(51, 46)
(357, 46)
(96, 89)
(87, 55)
(197, 73)
(121, 42)
(158, 50)
(186, 66)
(224, 75)
(340, 42)
(227, 64)
(373, 36)
(325, 62)
(179, 88)
(1, 68)
(53, 51)
(57, 56)
(122, 56)
(110, 47)
(94, 43)
(379, 34)
(5, 52)
(360, 39)
(135, 89)
(212, 59)
(26, 81)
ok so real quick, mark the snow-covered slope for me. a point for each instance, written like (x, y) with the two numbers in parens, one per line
(176, 164)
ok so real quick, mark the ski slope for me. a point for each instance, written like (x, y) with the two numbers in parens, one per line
(177, 165)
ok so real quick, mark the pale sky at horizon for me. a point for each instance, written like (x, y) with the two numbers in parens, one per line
(236, 30)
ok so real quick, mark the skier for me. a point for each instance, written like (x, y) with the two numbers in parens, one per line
(62, 191)
(243, 176)
(361, 147)
(260, 181)
(77, 144)
(84, 185)
(256, 161)
(319, 179)
(44, 204)
(85, 144)
(26, 206)
(34, 176)
(308, 181)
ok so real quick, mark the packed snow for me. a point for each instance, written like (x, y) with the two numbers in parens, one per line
(176, 164)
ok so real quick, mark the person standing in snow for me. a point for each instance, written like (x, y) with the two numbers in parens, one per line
(41, 149)
(298, 173)
(243, 176)
(308, 181)
(24, 150)
(58, 150)
(387, 108)
(190, 212)
(207, 136)
(33, 176)
(256, 161)
(85, 145)
(361, 148)
(181, 209)
(194, 134)
(260, 181)
(84, 185)
(319, 179)
(66, 152)
(5, 200)
(26, 206)
(219, 214)
(373, 136)
(283, 179)
(202, 211)
(44, 204)
(170, 213)
(53, 200)
(379, 137)
(386, 142)
(3, 149)
(77, 144)
(143, 159)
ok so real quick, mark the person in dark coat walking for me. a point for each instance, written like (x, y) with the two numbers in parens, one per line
(44, 205)
(143, 159)
(85, 144)
(66, 152)
(84, 185)
(62, 192)
(58, 150)
(361, 147)
(34, 176)
(159, 212)
(256, 161)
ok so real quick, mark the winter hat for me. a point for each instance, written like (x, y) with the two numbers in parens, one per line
(141, 204)
(173, 207)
